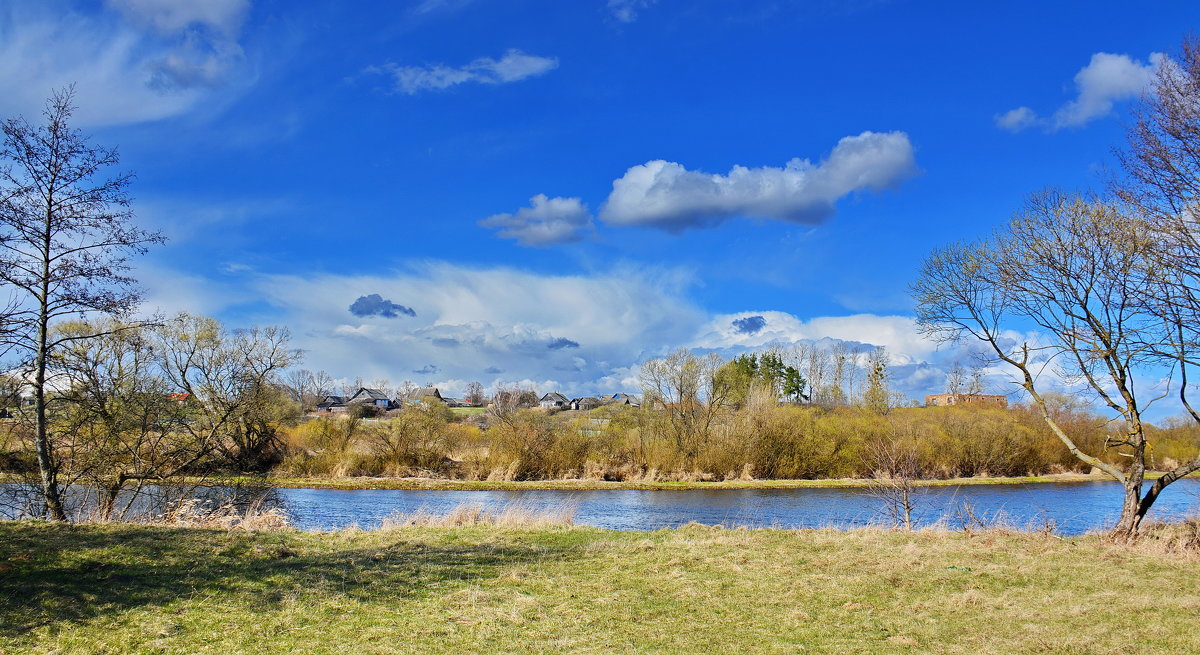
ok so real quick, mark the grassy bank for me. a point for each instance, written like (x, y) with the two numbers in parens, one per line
(129, 589)
(440, 484)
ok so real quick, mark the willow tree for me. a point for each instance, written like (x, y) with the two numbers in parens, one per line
(66, 236)
(1061, 290)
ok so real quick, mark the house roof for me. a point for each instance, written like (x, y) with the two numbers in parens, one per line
(555, 397)
(425, 392)
(365, 394)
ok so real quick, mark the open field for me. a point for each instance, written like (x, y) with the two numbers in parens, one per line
(487, 589)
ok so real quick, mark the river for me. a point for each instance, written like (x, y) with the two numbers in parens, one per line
(1069, 508)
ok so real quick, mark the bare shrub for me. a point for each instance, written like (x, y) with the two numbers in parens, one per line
(513, 515)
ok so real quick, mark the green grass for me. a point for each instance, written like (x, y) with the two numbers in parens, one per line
(468, 411)
(130, 589)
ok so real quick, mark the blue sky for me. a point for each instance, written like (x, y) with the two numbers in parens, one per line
(551, 192)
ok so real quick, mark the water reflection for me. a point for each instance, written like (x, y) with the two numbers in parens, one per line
(1070, 508)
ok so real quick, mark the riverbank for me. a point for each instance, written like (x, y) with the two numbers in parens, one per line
(442, 484)
(487, 589)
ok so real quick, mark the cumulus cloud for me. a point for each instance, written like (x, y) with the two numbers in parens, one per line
(544, 222)
(898, 334)
(474, 323)
(512, 67)
(375, 305)
(666, 195)
(749, 324)
(626, 11)
(1107, 79)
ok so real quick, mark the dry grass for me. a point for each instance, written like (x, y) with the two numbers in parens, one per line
(195, 513)
(489, 589)
(512, 515)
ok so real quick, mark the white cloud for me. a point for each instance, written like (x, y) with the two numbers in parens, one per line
(172, 16)
(1107, 79)
(512, 67)
(159, 62)
(580, 334)
(544, 222)
(1017, 119)
(626, 11)
(470, 323)
(666, 195)
(897, 333)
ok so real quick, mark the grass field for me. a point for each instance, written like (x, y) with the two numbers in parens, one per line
(487, 589)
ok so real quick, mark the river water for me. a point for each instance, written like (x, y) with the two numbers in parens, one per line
(1070, 508)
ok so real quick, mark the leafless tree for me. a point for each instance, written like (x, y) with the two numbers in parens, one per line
(1162, 183)
(894, 463)
(116, 420)
(307, 387)
(474, 393)
(683, 385)
(1072, 267)
(66, 236)
(956, 379)
(230, 381)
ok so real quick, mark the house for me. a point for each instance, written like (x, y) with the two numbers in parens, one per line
(455, 402)
(424, 393)
(554, 400)
(971, 399)
(332, 405)
(585, 403)
(626, 399)
(373, 397)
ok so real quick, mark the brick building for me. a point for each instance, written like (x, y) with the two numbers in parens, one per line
(970, 399)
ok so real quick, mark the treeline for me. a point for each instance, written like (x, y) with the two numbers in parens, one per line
(782, 441)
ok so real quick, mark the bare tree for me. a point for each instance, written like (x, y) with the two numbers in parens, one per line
(1072, 267)
(474, 393)
(894, 464)
(230, 380)
(1162, 163)
(684, 386)
(956, 379)
(66, 236)
(116, 422)
(306, 387)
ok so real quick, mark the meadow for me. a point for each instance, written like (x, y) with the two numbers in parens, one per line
(421, 587)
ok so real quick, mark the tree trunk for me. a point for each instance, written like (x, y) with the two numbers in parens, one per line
(1133, 509)
(51, 492)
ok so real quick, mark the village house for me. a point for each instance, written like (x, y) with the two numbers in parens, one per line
(424, 393)
(586, 403)
(619, 398)
(373, 397)
(331, 405)
(970, 399)
(554, 400)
